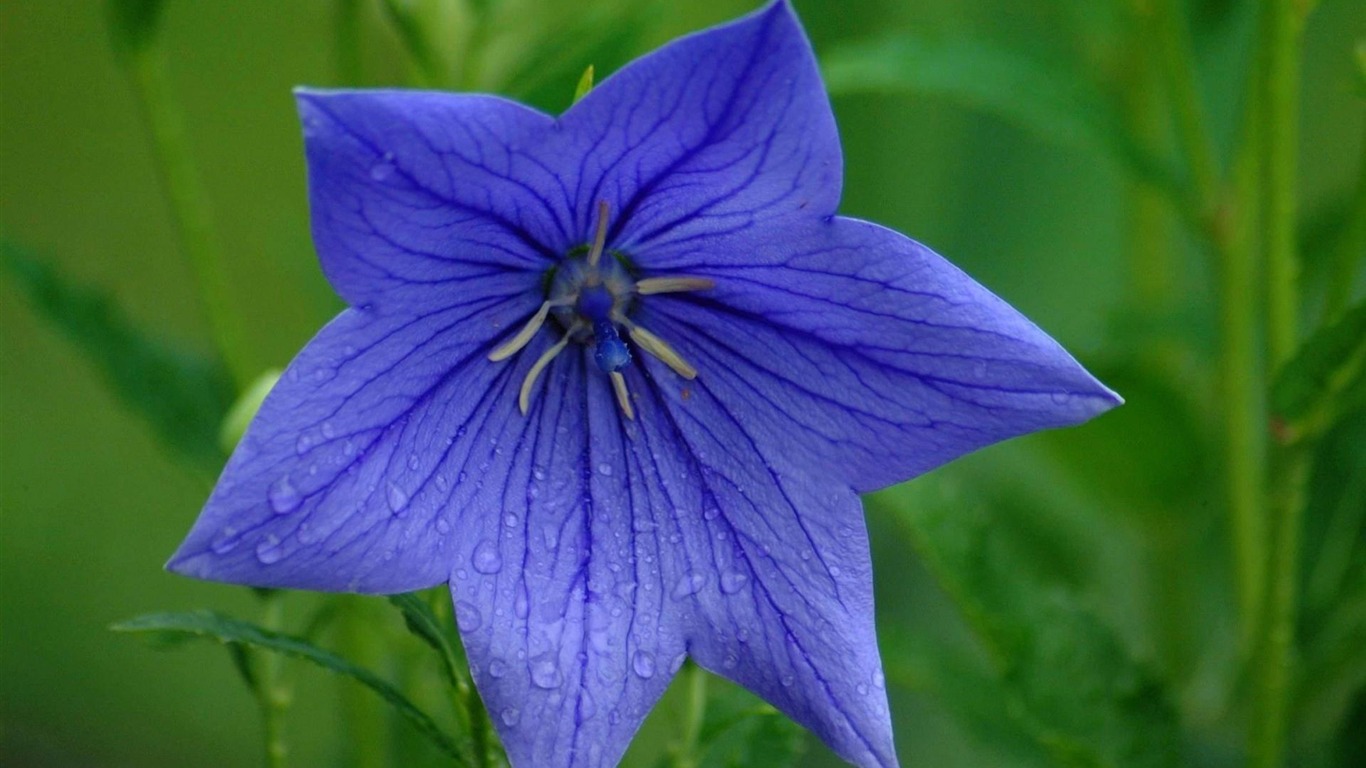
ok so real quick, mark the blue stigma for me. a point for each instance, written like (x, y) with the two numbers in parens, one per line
(609, 352)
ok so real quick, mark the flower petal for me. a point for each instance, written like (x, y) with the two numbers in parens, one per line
(415, 195)
(345, 479)
(769, 565)
(557, 587)
(858, 351)
(715, 131)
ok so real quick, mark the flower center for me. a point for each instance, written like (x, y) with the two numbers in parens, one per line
(592, 298)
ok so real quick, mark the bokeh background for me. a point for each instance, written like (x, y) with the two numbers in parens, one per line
(1122, 523)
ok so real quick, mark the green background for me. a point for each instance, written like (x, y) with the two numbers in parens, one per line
(1127, 517)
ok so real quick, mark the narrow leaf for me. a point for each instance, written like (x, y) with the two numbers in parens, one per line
(422, 622)
(1084, 699)
(1326, 362)
(213, 626)
(182, 396)
(1051, 101)
(585, 84)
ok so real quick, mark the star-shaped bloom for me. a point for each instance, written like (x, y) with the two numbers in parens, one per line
(619, 378)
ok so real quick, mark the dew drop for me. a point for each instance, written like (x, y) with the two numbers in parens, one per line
(538, 473)
(690, 584)
(382, 170)
(398, 499)
(323, 374)
(551, 536)
(413, 462)
(879, 679)
(510, 716)
(787, 681)
(486, 557)
(1060, 398)
(605, 469)
(498, 668)
(269, 551)
(862, 689)
(284, 497)
(730, 661)
(442, 484)
(711, 513)
(467, 617)
(733, 581)
(328, 430)
(303, 445)
(588, 706)
(522, 604)
(226, 541)
(643, 662)
(510, 520)
(544, 672)
(443, 527)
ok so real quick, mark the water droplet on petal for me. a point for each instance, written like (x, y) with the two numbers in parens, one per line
(323, 374)
(690, 584)
(551, 536)
(522, 605)
(303, 444)
(269, 551)
(497, 668)
(486, 557)
(226, 541)
(1060, 398)
(787, 681)
(467, 617)
(605, 469)
(510, 520)
(879, 679)
(730, 661)
(442, 526)
(711, 513)
(381, 171)
(510, 716)
(862, 689)
(398, 499)
(545, 673)
(284, 497)
(328, 430)
(643, 662)
(733, 581)
(588, 707)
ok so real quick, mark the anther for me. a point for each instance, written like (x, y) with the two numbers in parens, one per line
(523, 337)
(600, 239)
(681, 284)
(623, 397)
(661, 349)
(524, 397)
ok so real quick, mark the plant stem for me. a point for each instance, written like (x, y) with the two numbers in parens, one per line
(346, 41)
(272, 695)
(1178, 60)
(189, 206)
(1282, 26)
(685, 751)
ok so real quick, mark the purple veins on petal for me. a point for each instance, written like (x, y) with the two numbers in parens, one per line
(617, 378)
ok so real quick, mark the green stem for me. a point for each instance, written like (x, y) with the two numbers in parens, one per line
(1348, 249)
(346, 41)
(366, 720)
(1282, 27)
(189, 206)
(1178, 59)
(273, 696)
(685, 751)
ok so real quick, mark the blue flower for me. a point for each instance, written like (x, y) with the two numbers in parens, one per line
(619, 378)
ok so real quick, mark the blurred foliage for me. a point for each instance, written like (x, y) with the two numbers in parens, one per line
(1063, 600)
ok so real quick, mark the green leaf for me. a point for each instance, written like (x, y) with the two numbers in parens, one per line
(739, 730)
(133, 24)
(183, 396)
(1051, 101)
(1080, 695)
(1324, 364)
(429, 31)
(177, 627)
(423, 622)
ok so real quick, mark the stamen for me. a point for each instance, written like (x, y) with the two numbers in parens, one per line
(661, 349)
(623, 397)
(523, 337)
(524, 397)
(681, 284)
(599, 240)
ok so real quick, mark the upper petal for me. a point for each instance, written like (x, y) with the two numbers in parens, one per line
(712, 132)
(863, 352)
(416, 194)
